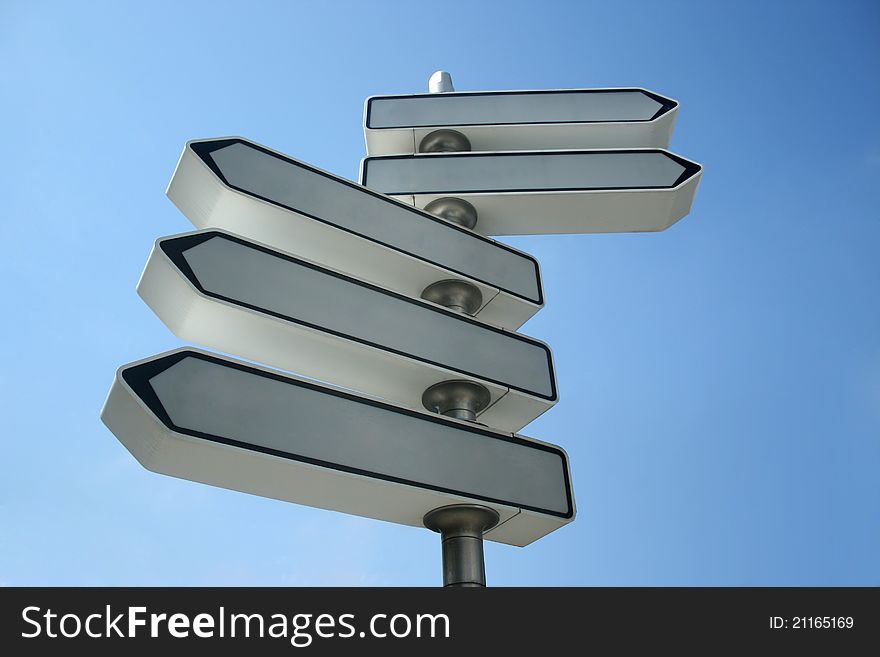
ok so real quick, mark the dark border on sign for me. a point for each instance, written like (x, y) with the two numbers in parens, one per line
(690, 170)
(138, 378)
(175, 248)
(203, 150)
(666, 105)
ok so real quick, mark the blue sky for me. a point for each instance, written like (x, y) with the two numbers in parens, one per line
(720, 381)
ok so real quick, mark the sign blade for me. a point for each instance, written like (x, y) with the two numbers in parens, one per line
(547, 192)
(230, 294)
(194, 415)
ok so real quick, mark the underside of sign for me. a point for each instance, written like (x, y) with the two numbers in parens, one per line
(227, 293)
(250, 190)
(521, 120)
(546, 192)
(196, 416)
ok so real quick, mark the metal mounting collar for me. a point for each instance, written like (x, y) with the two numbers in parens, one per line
(444, 141)
(454, 294)
(457, 398)
(456, 210)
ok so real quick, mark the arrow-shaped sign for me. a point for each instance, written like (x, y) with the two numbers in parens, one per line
(230, 294)
(240, 186)
(541, 192)
(520, 120)
(193, 415)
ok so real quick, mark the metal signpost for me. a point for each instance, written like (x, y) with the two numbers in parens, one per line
(393, 302)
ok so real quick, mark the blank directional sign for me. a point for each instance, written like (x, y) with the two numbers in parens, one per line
(222, 291)
(522, 120)
(193, 415)
(540, 192)
(240, 186)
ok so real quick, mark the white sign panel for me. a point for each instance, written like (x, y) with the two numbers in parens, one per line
(194, 415)
(240, 186)
(240, 297)
(522, 120)
(543, 192)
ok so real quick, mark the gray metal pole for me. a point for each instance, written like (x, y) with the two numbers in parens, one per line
(461, 528)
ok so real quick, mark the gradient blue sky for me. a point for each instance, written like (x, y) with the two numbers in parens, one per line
(720, 381)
